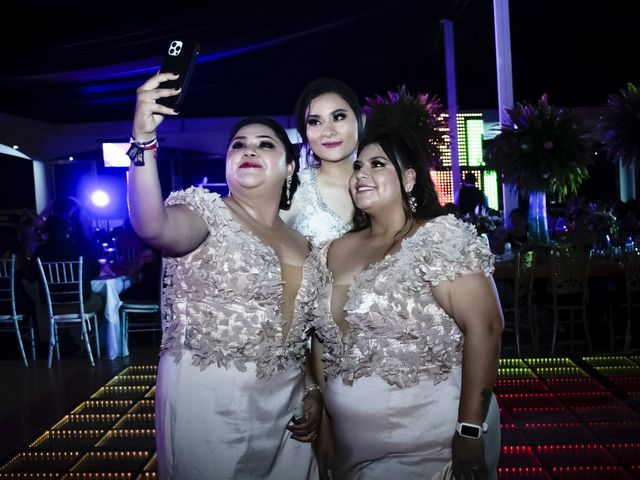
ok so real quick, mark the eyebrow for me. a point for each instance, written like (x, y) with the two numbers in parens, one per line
(244, 137)
(333, 112)
(372, 159)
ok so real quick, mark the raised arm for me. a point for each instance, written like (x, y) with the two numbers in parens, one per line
(176, 230)
(472, 301)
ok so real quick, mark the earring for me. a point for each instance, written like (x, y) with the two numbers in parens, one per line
(413, 204)
(288, 192)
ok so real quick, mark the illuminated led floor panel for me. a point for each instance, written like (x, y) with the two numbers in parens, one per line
(109, 436)
(561, 418)
(571, 420)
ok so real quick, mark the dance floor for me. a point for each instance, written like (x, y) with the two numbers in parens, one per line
(570, 419)
(562, 418)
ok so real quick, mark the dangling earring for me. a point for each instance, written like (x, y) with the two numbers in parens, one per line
(288, 192)
(413, 204)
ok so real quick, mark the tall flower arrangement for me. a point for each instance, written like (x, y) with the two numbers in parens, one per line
(421, 113)
(543, 149)
(622, 124)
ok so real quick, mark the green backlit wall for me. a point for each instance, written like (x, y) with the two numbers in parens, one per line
(470, 135)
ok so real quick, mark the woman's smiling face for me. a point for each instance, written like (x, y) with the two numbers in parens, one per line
(331, 128)
(374, 182)
(255, 157)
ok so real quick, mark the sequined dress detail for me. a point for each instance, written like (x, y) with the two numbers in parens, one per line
(315, 220)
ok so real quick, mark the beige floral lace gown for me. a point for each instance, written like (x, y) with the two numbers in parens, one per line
(315, 220)
(394, 380)
(228, 382)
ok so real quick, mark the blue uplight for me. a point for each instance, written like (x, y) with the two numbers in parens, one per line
(100, 198)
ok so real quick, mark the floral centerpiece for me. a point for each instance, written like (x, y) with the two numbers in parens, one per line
(595, 223)
(622, 123)
(602, 220)
(622, 127)
(542, 150)
(420, 113)
(604, 225)
(485, 220)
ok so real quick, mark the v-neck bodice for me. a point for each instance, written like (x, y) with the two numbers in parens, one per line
(223, 301)
(397, 330)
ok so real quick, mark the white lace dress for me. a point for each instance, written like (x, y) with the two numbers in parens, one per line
(315, 220)
(228, 381)
(394, 380)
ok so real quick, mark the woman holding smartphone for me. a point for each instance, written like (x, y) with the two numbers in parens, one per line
(232, 365)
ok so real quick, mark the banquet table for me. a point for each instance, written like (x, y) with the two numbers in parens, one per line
(109, 288)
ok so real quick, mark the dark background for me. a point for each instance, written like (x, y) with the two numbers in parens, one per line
(75, 61)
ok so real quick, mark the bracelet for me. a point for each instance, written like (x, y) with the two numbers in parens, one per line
(137, 149)
(140, 144)
(309, 389)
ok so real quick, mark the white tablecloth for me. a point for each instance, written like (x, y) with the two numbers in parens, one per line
(109, 289)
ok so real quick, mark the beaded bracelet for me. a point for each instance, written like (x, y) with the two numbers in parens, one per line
(137, 149)
(309, 389)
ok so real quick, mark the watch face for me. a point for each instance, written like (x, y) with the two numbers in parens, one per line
(469, 431)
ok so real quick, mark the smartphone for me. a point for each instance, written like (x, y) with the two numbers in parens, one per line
(179, 58)
(298, 414)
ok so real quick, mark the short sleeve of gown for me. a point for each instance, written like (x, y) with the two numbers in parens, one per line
(204, 203)
(448, 248)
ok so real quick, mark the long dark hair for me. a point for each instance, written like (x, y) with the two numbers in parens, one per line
(314, 89)
(289, 149)
(404, 150)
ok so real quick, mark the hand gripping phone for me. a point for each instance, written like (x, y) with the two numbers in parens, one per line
(179, 58)
(298, 414)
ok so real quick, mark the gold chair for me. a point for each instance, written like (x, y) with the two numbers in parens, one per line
(10, 320)
(631, 261)
(523, 298)
(570, 291)
(62, 282)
